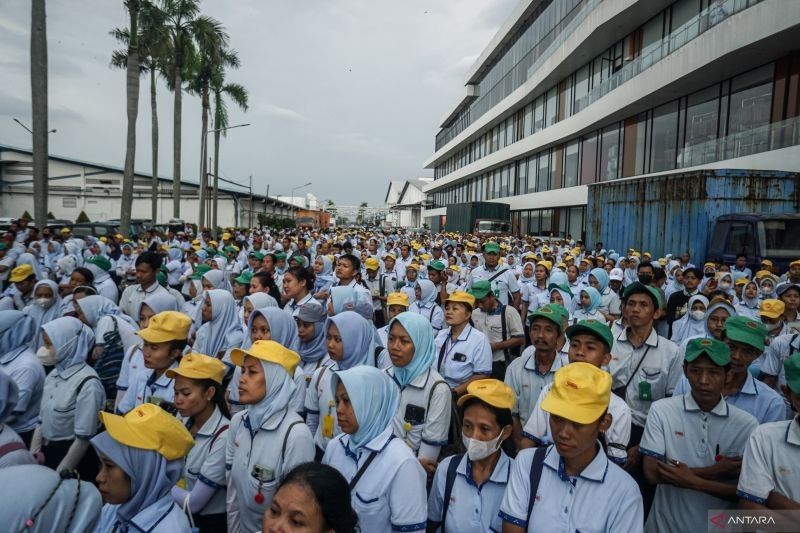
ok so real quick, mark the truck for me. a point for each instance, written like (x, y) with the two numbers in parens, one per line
(713, 214)
(486, 219)
(307, 218)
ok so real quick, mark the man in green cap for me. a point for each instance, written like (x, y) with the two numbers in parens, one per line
(254, 262)
(528, 374)
(502, 279)
(439, 279)
(241, 288)
(769, 478)
(590, 341)
(103, 282)
(745, 339)
(693, 444)
(500, 323)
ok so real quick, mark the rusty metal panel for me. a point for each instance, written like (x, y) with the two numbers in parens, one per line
(676, 212)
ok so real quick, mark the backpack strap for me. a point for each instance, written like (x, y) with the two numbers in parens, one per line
(433, 389)
(11, 447)
(504, 332)
(219, 432)
(441, 355)
(286, 437)
(535, 476)
(450, 479)
(83, 382)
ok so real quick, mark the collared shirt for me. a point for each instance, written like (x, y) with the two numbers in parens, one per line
(291, 305)
(144, 387)
(770, 462)
(28, 373)
(779, 349)
(134, 295)
(206, 461)
(256, 463)
(67, 413)
(755, 397)
(527, 382)
(424, 411)
(432, 312)
(319, 400)
(469, 355)
(20, 456)
(659, 371)
(677, 430)
(472, 508)
(501, 285)
(603, 497)
(390, 496)
(163, 516)
(492, 326)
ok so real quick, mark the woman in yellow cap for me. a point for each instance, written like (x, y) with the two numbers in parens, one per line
(200, 400)
(468, 488)
(140, 461)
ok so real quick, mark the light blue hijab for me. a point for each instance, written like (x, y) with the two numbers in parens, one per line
(160, 301)
(279, 391)
(218, 280)
(282, 328)
(594, 299)
(42, 316)
(95, 307)
(427, 293)
(350, 299)
(601, 276)
(326, 276)
(16, 332)
(358, 338)
(152, 476)
(223, 331)
(375, 399)
(71, 340)
(315, 349)
(421, 333)
(9, 395)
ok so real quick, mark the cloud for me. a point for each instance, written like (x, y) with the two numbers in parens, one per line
(279, 112)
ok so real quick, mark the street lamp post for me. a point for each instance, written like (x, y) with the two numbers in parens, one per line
(291, 194)
(40, 178)
(204, 180)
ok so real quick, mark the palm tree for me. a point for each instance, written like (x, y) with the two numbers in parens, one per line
(39, 110)
(132, 92)
(154, 49)
(238, 95)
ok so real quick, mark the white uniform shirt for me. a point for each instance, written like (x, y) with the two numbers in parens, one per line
(432, 312)
(206, 461)
(320, 401)
(134, 295)
(28, 373)
(492, 326)
(458, 361)
(108, 288)
(770, 462)
(602, 498)
(525, 380)
(163, 516)
(779, 349)
(501, 285)
(424, 411)
(20, 456)
(66, 412)
(677, 430)
(143, 388)
(390, 496)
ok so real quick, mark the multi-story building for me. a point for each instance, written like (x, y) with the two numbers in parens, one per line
(574, 92)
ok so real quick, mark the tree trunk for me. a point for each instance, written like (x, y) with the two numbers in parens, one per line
(154, 138)
(132, 91)
(216, 173)
(176, 132)
(201, 218)
(39, 111)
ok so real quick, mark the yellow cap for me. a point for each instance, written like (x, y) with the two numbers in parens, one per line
(772, 308)
(196, 242)
(118, 236)
(21, 273)
(149, 427)
(455, 268)
(762, 274)
(492, 391)
(167, 326)
(796, 262)
(413, 265)
(65, 230)
(199, 366)
(226, 236)
(397, 298)
(103, 239)
(662, 261)
(269, 351)
(567, 257)
(742, 281)
(766, 263)
(425, 257)
(647, 254)
(462, 297)
(547, 264)
(580, 393)
(390, 254)
(213, 243)
(372, 263)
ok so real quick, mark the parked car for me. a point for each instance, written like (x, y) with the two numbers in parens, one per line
(94, 229)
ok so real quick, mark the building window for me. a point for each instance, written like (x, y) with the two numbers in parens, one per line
(543, 175)
(634, 138)
(538, 114)
(556, 167)
(665, 137)
(702, 121)
(750, 108)
(545, 225)
(551, 108)
(588, 158)
(527, 127)
(531, 174)
(571, 164)
(609, 153)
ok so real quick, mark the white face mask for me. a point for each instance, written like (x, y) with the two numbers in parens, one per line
(47, 356)
(44, 303)
(725, 285)
(776, 326)
(698, 315)
(481, 449)
(767, 291)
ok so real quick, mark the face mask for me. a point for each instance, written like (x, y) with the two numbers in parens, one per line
(725, 285)
(47, 356)
(698, 315)
(44, 303)
(481, 449)
(767, 291)
(645, 279)
(775, 327)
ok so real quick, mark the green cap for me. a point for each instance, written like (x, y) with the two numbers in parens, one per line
(791, 371)
(561, 287)
(716, 350)
(491, 248)
(257, 255)
(244, 278)
(100, 262)
(436, 265)
(480, 289)
(593, 327)
(639, 288)
(199, 270)
(230, 249)
(557, 314)
(280, 256)
(161, 278)
(747, 331)
(2, 246)
(211, 251)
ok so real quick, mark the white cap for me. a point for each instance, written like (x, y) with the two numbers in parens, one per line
(615, 274)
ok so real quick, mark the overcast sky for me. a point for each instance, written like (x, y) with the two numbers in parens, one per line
(346, 94)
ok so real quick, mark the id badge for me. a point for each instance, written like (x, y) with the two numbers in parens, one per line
(645, 391)
(181, 483)
(327, 426)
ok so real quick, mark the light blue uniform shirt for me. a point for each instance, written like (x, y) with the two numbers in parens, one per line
(66, 413)
(143, 390)
(161, 517)
(28, 373)
(472, 508)
(754, 397)
(470, 354)
(602, 498)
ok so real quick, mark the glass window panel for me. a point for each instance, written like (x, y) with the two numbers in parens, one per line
(575, 226)
(522, 172)
(588, 158)
(571, 164)
(556, 167)
(532, 166)
(545, 227)
(528, 120)
(534, 224)
(581, 83)
(609, 153)
(634, 139)
(702, 121)
(551, 108)
(664, 137)
(543, 175)
(538, 114)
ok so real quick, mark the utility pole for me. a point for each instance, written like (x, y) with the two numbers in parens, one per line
(39, 111)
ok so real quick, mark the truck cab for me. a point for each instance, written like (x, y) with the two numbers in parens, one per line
(491, 227)
(759, 236)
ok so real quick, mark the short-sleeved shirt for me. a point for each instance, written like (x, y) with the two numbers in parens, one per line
(491, 325)
(755, 397)
(424, 411)
(206, 461)
(678, 430)
(527, 382)
(610, 302)
(602, 498)
(319, 400)
(502, 285)
(163, 516)
(776, 353)
(144, 387)
(472, 508)
(19, 456)
(432, 312)
(68, 413)
(390, 496)
(660, 368)
(469, 355)
(28, 373)
(770, 462)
